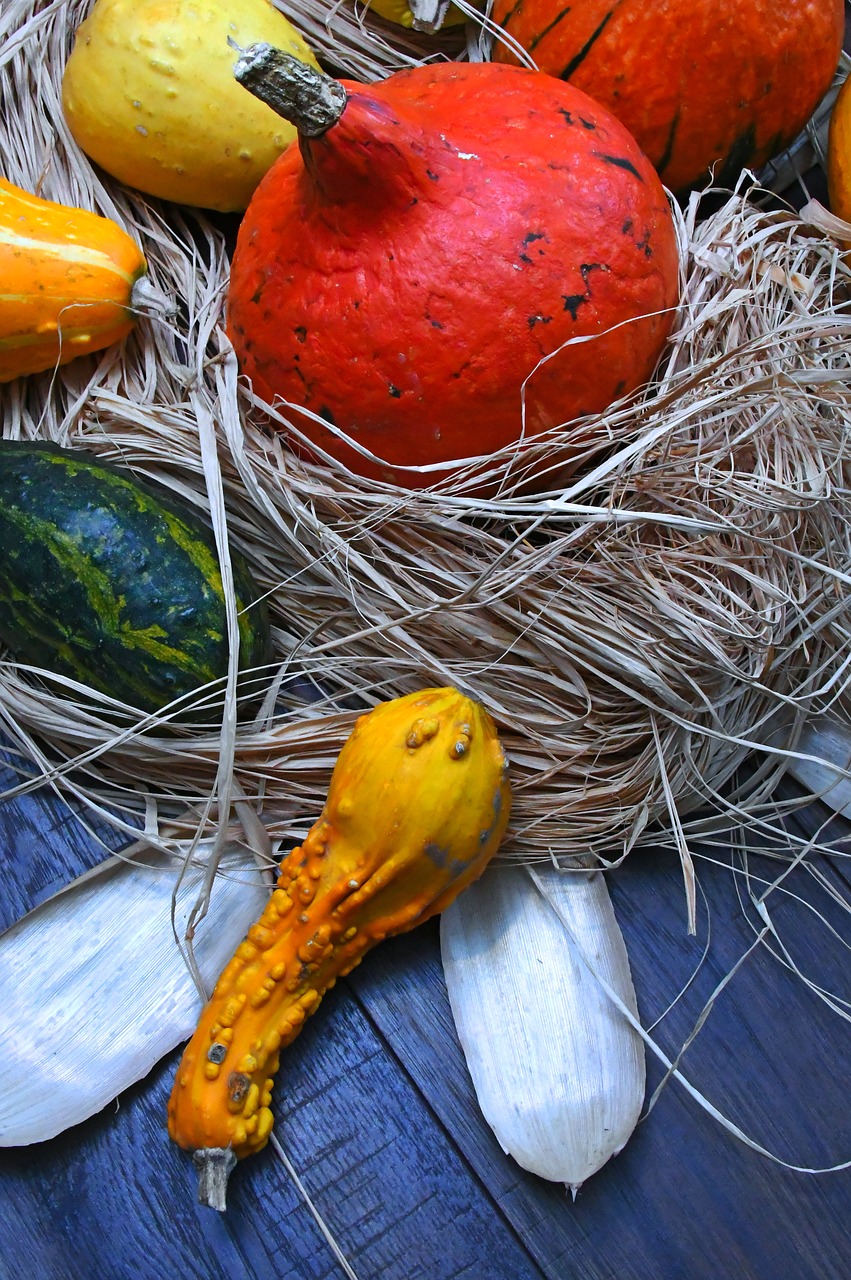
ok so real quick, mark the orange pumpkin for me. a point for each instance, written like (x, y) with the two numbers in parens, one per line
(67, 282)
(434, 245)
(697, 82)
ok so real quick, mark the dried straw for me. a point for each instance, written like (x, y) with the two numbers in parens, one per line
(636, 630)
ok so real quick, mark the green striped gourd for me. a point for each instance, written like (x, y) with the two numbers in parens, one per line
(114, 582)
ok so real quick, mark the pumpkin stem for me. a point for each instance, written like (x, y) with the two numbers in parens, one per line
(428, 15)
(214, 1165)
(311, 101)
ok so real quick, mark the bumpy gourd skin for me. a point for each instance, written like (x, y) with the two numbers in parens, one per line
(418, 803)
(698, 82)
(149, 95)
(67, 278)
(402, 275)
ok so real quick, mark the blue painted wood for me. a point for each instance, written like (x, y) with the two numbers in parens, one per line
(377, 1113)
(684, 1198)
(113, 1199)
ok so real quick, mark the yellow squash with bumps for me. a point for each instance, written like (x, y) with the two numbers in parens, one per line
(149, 95)
(418, 803)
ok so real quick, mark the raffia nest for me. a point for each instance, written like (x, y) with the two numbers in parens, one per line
(635, 631)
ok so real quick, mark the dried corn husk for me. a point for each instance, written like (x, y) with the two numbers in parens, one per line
(557, 1068)
(96, 989)
(822, 761)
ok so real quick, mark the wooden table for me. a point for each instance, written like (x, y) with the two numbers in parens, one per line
(375, 1110)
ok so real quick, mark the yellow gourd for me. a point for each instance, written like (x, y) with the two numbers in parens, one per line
(417, 805)
(839, 156)
(149, 95)
(66, 282)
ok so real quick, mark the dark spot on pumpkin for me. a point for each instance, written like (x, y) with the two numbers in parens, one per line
(669, 144)
(435, 177)
(513, 11)
(644, 243)
(300, 332)
(533, 320)
(573, 302)
(356, 303)
(563, 111)
(580, 57)
(587, 124)
(620, 162)
(740, 154)
(531, 236)
(394, 391)
(627, 227)
(327, 416)
(258, 293)
(619, 388)
(545, 31)
(415, 200)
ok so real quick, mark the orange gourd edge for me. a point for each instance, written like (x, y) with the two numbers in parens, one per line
(417, 805)
(459, 256)
(72, 282)
(699, 83)
(839, 157)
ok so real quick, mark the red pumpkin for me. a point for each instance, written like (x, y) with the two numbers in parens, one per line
(695, 81)
(402, 273)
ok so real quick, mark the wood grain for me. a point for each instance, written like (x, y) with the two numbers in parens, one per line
(375, 1109)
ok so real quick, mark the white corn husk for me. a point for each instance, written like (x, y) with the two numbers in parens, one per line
(822, 761)
(558, 1070)
(96, 989)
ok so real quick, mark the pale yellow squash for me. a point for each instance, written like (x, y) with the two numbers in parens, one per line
(149, 95)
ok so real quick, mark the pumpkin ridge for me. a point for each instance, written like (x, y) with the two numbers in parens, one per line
(581, 54)
(688, 78)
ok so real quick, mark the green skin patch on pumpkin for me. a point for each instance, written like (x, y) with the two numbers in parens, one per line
(103, 581)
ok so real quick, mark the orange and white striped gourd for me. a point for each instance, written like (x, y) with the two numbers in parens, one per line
(66, 282)
(418, 803)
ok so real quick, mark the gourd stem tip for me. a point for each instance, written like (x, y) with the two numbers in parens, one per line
(214, 1165)
(307, 98)
(428, 15)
